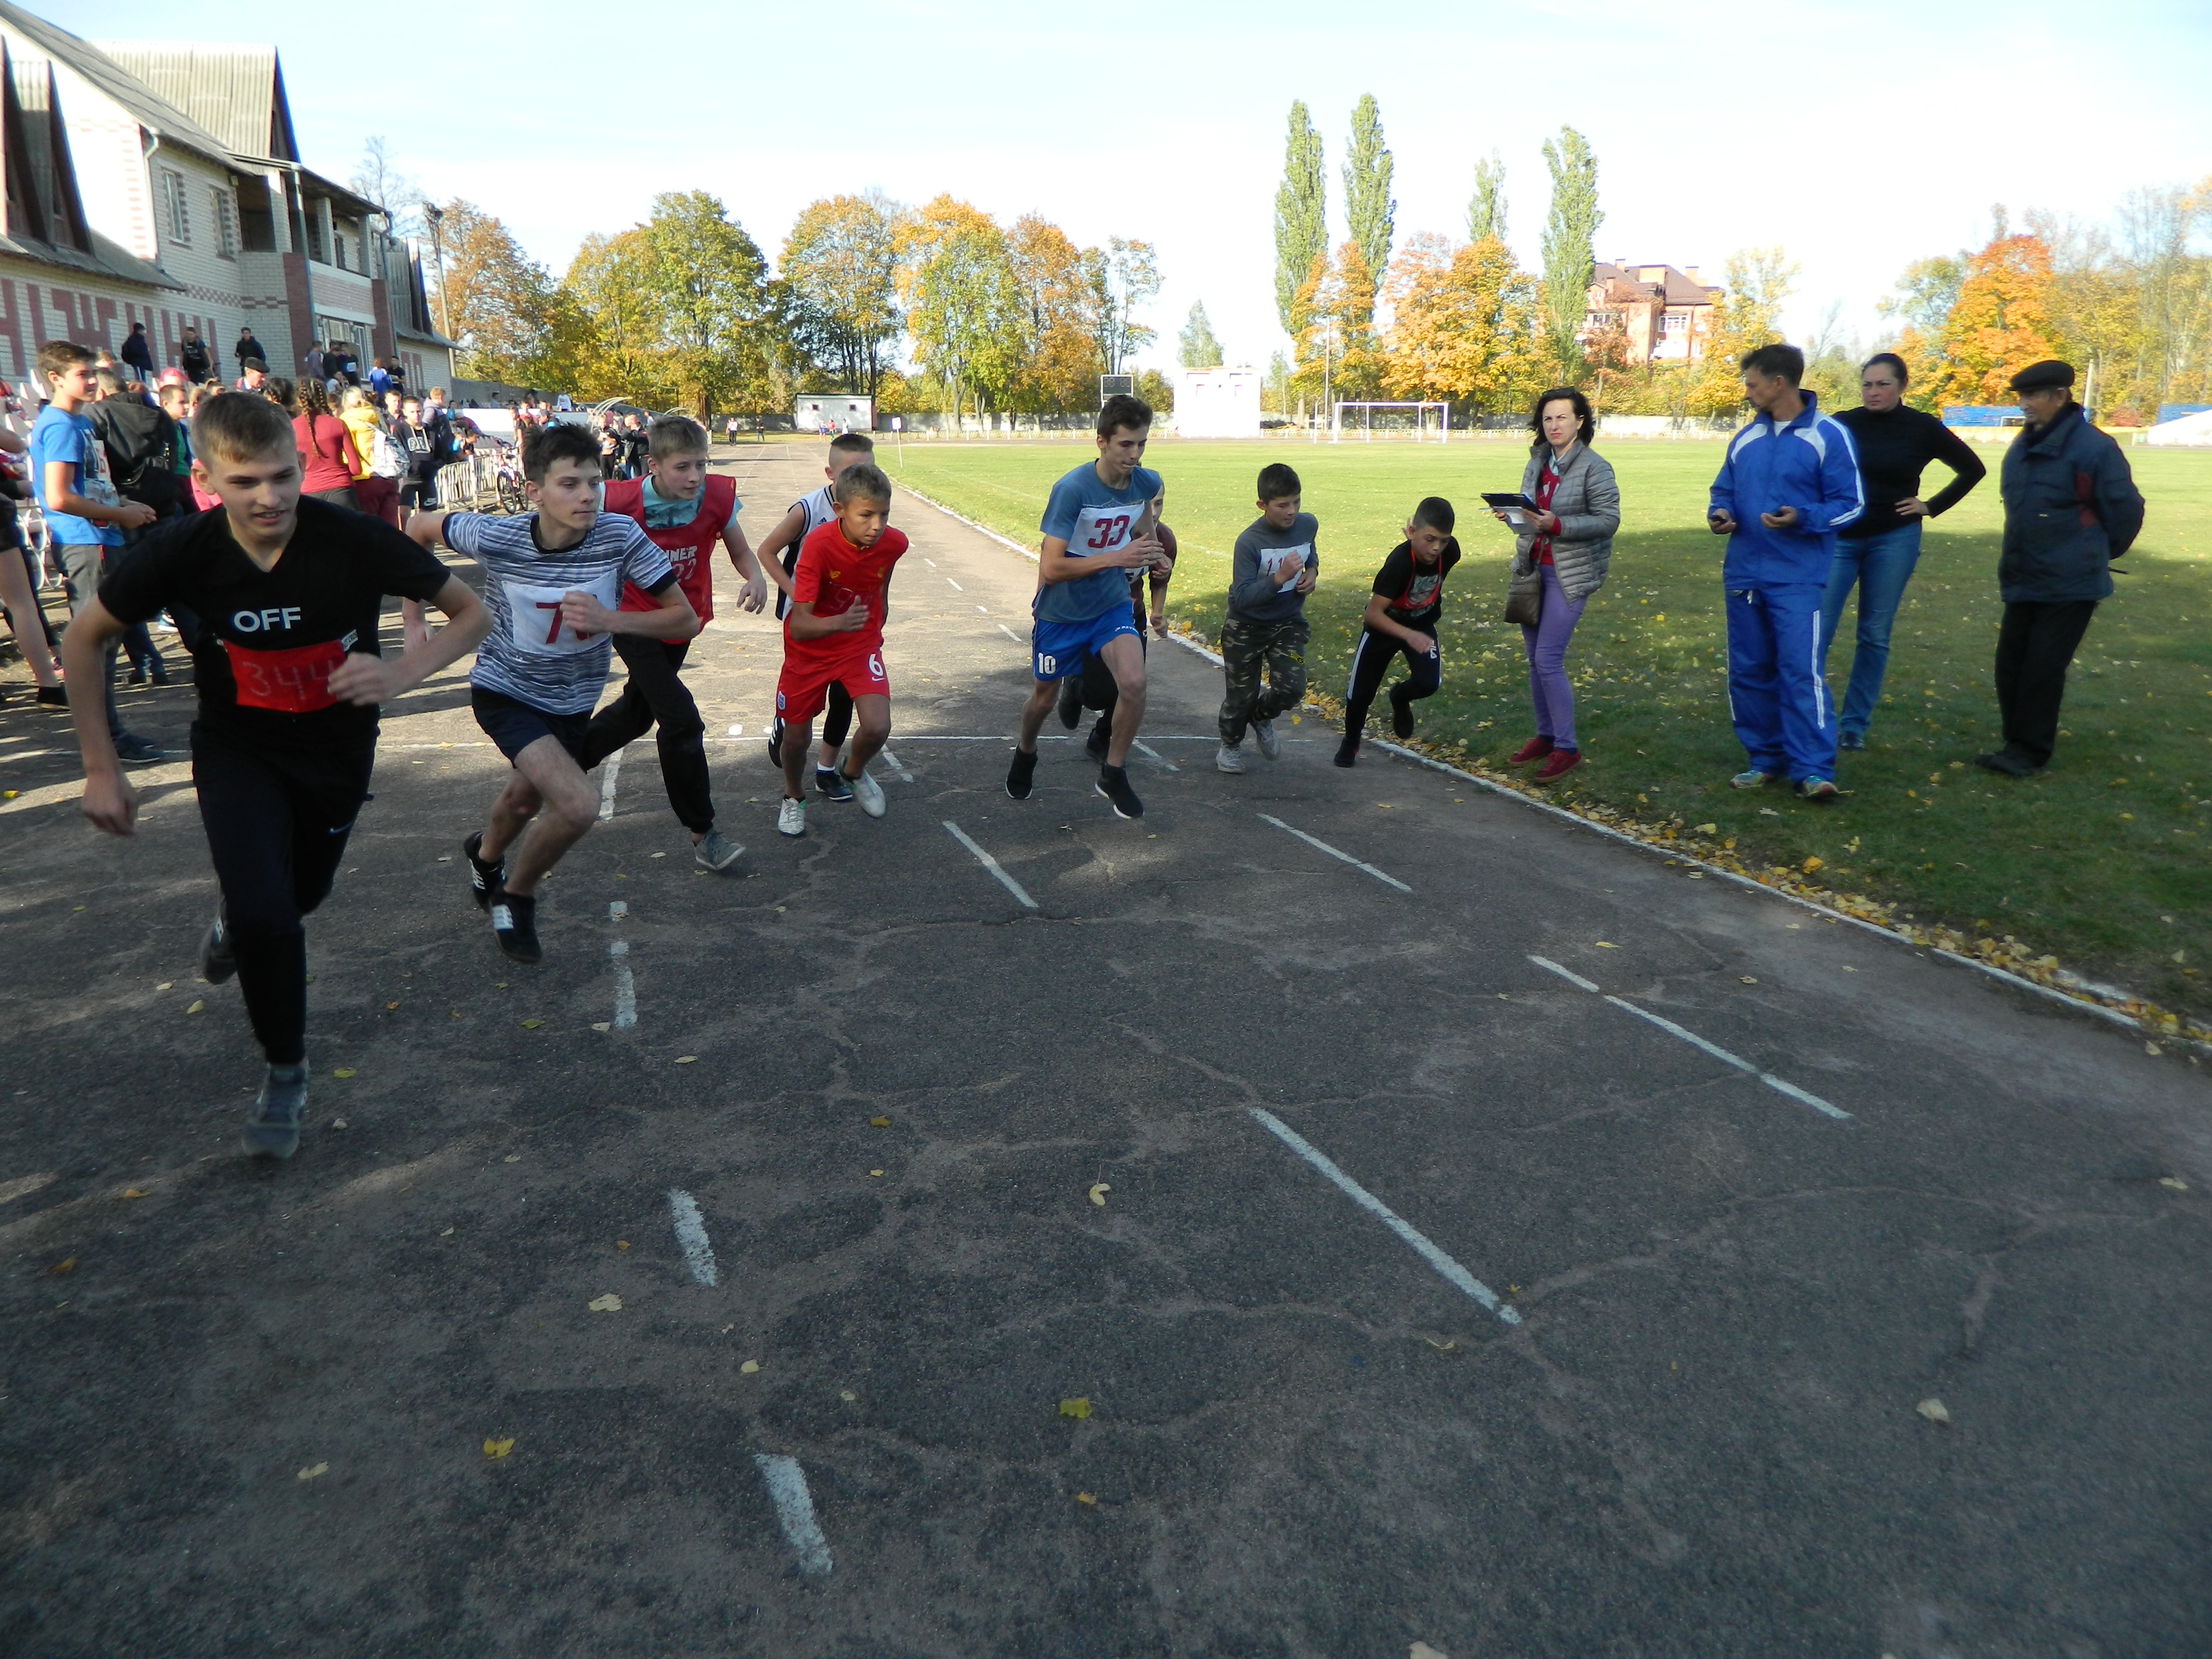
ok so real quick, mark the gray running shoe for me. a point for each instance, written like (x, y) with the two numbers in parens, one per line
(273, 1131)
(716, 851)
(1229, 758)
(869, 793)
(1270, 744)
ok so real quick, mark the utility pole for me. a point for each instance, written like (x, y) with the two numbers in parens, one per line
(436, 215)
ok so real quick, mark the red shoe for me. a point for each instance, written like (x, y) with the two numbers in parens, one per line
(1534, 749)
(1562, 760)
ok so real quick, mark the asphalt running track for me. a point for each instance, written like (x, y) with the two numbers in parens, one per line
(1508, 1242)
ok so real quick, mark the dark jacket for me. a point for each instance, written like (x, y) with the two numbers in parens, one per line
(2071, 508)
(138, 354)
(248, 351)
(196, 359)
(141, 457)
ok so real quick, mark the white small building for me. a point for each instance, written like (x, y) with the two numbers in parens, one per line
(1218, 403)
(833, 411)
(2190, 432)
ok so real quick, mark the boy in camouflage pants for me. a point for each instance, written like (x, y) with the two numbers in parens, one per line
(1276, 567)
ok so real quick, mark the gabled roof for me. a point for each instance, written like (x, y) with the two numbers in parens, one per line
(45, 220)
(236, 93)
(1679, 289)
(150, 111)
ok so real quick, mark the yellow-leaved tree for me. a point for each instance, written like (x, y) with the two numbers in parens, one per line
(2001, 321)
(1466, 326)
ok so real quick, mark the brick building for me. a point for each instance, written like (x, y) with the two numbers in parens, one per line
(1665, 313)
(162, 184)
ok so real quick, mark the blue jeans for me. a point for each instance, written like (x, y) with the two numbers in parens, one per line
(1881, 566)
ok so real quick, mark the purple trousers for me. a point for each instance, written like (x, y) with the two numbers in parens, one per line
(1546, 645)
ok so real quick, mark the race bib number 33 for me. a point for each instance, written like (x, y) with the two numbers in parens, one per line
(1102, 529)
(294, 682)
(534, 615)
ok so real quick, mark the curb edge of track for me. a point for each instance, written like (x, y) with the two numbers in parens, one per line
(2048, 992)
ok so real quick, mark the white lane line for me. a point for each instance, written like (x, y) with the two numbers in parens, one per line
(1780, 1086)
(990, 864)
(691, 1236)
(984, 608)
(618, 910)
(625, 986)
(1357, 864)
(931, 562)
(1567, 975)
(607, 773)
(954, 586)
(1144, 748)
(1010, 634)
(1453, 1272)
(795, 1507)
(892, 761)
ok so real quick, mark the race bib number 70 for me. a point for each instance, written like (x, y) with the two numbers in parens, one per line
(534, 617)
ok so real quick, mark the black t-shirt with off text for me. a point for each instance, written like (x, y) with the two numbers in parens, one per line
(1412, 592)
(269, 639)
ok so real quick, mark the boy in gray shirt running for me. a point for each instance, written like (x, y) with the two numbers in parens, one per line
(1276, 567)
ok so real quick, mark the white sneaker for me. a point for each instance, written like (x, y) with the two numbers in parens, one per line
(868, 792)
(1270, 744)
(1230, 759)
(790, 817)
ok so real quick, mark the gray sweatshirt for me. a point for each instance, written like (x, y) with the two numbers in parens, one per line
(1262, 552)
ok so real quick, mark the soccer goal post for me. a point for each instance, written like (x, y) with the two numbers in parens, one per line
(1425, 422)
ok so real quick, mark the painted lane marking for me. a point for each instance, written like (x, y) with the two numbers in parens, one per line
(954, 586)
(990, 864)
(625, 986)
(607, 773)
(1146, 748)
(983, 609)
(892, 761)
(1357, 864)
(618, 910)
(1780, 1086)
(795, 1507)
(1010, 634)
(691, 1236)
(1452, 1272)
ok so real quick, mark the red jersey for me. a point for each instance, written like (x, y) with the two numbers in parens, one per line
(833, 575)
(690, 547)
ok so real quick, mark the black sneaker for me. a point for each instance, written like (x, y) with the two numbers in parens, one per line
(483, 877)
(1348, 752)
(775, 748)
(1071, 702)
(831, 782)
(135, 750)
(273, 1130)
(218, 961)
(514, 924)
(1021, 775)
(54, 696)
(1114, 784)
(1100, 740)
(1402, 715)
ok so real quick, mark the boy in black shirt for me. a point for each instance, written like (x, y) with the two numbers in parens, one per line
(1401, 618)
(290, 593)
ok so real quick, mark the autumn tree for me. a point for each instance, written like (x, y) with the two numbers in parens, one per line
(1748, 315)
(1334, 313)
(963, 303)
(1467, 326)
(496, 299)
(1570, 238)
(1301, 214)
(1124, 276)
(1059, 351)
(2001, 321)
(840, 261)
(616, 349)
(1367, 165)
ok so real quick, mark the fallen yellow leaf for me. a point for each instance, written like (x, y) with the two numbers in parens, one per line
(686, 1060)
(602, 1026)
(512, 1158)
(622, 1243)
(389, 1007)
(1099, 1194)
(132, 1192)
(1086, 1497)
(337, 1123)
(875, 1172)
(847, 1396)
(196, 1007)
(608, 1303)
(499, 1448)
(749, 1367)
(1747, 979)
(1707, 828)
(531, 1024)
(2169, 1181)
(1607, 945)
(344, 1071)
(314, 1469)
(1934, 1411)
(1077, 1407)
(62, 1266)
(1811, 864)
(879, 1123)
(165, 985)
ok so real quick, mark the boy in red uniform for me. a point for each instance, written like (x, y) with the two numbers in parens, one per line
(684, 512)
(834, 632)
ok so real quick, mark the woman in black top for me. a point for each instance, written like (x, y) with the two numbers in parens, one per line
(1878, 550)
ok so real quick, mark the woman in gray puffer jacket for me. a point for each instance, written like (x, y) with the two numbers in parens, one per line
(1570, 541)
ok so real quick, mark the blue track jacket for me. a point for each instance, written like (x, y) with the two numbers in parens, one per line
(1810, 465)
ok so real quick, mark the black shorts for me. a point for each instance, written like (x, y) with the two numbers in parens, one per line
(514, 724)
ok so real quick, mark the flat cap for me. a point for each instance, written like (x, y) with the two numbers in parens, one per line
(2049, 375)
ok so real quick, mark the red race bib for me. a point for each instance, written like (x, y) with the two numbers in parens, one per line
(294, 682)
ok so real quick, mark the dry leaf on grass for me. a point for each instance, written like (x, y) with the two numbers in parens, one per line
(1934, 1411)
(499, 1448)
(1079, 1407)
(1099, 1194)
(1811, 864)
(314, 1469)
(608, 1303)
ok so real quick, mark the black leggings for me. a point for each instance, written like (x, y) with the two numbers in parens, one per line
(655, 697)
(1370, 659)
(277, 828)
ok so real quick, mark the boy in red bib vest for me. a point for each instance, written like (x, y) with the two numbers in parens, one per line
(684, 511)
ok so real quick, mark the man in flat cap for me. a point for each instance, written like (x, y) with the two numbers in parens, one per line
(2071, 508)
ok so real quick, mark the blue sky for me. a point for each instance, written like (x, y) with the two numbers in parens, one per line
(1859, 137)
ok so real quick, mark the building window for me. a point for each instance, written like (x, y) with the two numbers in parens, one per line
(181, 211)
(1674, 322)
(225, 222)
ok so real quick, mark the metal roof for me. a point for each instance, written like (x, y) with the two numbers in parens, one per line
(236, 93)
(150, 110)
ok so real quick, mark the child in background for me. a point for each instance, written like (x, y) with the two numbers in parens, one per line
(1401, 618)
(1275, 567)
(781, 551)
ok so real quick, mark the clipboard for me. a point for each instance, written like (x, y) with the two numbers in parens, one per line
(1512, 504)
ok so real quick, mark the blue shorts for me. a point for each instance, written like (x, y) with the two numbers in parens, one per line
(1059, 649)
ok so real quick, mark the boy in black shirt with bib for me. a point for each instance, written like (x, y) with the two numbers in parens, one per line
(1401, 618)
(290, 593)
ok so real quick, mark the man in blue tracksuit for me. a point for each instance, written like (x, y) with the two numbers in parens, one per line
(1790, 481)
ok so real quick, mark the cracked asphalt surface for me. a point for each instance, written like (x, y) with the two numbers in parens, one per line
(250, 1416)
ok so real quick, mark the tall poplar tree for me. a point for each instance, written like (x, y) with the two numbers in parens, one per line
(1198, 347)
(1368, 210)
(1486, 209)
(1569, 237)
(1301, 205)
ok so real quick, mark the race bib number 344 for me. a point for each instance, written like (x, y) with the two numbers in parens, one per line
(534, 616)
(294, 682)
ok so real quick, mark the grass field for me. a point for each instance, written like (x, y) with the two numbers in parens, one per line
(2101, 862)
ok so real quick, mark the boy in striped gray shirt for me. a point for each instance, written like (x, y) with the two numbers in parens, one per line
(553, 581)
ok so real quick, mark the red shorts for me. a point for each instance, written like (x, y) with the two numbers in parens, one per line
(804, 685)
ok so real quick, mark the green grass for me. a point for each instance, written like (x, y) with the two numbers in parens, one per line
(2101, 862)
